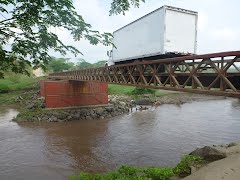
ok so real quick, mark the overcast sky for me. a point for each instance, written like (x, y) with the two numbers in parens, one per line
(218, 24)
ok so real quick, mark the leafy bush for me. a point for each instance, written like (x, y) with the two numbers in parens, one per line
(140, 90)
(128, 170)
(129, 173)
(158, 173)
(183, 168)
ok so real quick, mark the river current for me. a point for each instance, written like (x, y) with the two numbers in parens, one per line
(155, 137)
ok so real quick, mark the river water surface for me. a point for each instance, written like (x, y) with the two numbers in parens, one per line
(156, 137)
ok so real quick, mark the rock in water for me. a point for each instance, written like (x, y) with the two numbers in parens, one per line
(121, 103)
(209, 153)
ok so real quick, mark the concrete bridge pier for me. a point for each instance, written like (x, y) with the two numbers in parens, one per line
(62, 94)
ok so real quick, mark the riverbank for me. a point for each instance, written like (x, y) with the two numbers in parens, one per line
(228, 168)
(207, 163)
(32, 107)
(141, 139)
(36, 112)
(225, 163)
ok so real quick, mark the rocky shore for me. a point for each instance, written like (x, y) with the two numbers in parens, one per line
(117, 105)
(221, 162)
(34, 106)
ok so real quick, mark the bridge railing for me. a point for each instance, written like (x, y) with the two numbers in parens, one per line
(217, 74)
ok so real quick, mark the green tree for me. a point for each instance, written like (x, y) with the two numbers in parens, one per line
(121, 6)
(24, 31)
(101, 63)
(82, 64)
(60, 64)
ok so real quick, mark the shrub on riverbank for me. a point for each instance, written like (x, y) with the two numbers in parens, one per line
(129, 173)
(141, 90)
(182, 169)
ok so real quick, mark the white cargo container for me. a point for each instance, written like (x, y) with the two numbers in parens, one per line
(165, 32)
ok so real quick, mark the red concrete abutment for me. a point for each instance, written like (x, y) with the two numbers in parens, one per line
(60, 94)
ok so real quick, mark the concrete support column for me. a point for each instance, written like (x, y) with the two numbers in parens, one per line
(60, 94)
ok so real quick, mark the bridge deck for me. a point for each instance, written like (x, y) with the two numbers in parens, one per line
(216, 74)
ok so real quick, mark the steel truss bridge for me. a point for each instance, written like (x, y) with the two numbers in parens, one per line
(215, 74)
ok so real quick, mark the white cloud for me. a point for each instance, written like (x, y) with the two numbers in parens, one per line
(225, 34)
(202, 20)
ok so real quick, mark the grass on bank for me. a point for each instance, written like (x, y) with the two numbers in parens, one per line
(182, 169)
(15, 82)
(114, 89)
(119, 89)
(14, 85)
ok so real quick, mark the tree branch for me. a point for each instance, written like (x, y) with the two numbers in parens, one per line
(2, 22)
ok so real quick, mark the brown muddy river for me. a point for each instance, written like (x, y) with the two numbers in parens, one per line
(156, 137)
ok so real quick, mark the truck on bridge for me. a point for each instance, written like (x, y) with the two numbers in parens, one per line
(164, 33)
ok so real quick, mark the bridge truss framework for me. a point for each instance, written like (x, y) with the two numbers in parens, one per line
(215, 74)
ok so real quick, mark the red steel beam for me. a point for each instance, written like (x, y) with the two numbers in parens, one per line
(171, 74)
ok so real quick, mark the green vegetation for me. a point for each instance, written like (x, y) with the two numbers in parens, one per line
(14, 97)
(14, 86)
(114, 89)
(129, 173)
(63, 64)
(82, 64)
(183, 169)
(26, 36)
(25, 27)
(140, 90)
(119, 89)
(27, 115)
(59, 64)
(129, 90)
(121, 6)
(9, 98)
(14, 82)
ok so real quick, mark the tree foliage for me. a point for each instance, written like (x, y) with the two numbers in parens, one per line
(121, 6)
(62, 64)
(25, 38)
(82, 64)
(100, 63)
(59, 64)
